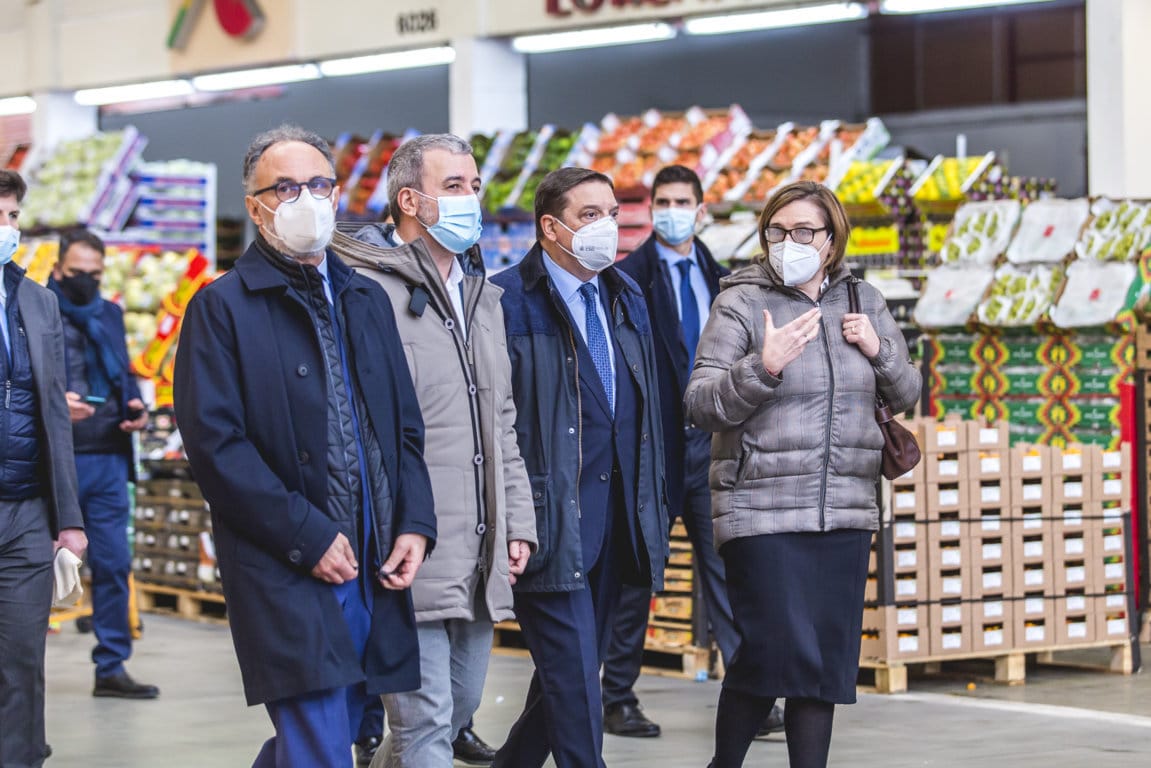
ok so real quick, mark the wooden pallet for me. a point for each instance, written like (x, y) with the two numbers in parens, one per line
(185, 603)
(1010, 667)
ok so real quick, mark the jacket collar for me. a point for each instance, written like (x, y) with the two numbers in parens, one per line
(532, 272)
(261, 268)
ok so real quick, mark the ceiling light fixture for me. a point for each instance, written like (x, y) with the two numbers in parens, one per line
(788, 17)
(593, 38)
(17, 105)
(255, 78)
(116, 94)
(933, 6)
(382, 62)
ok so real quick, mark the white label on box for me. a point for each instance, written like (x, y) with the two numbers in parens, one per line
(1076, 603)
(950, 528)
(1035, 634)
(993, 610)
(952, 641)
(905, 500)
(905, 530)
(1032, 463)
(1113, 571)
(1076, 574)
(1116, 627)
(1112, 543)
(1073, 489)
(949, 468)
(1073, 517)
(1033, 605)
(1073, 460)
(952, 556)
(1032, 492)
(1112, 487)
(907, 617)
(991, 523)
(1073, 546)
(1033, 577)
(906, 558)
(992, 637)
(990, 494)
(1112, 517)
(953, 586)
(988, 436)
(993, 579)
(1115, 601)
(947, 436)
(1032, 522)
(989, 465)
(952, 614)
(1033, 548)
(993, 551)
(906, 587)
(948, 497)
(1077, 630)
(1112, 459)
(909, 644)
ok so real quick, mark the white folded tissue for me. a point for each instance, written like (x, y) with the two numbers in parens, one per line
(67, 588)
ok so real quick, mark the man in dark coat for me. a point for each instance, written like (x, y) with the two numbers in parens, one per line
(680, 279)
(588, 427)
(37, 486)
(304, 432)
(106, 408)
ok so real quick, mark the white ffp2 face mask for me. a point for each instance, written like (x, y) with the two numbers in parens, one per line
(302, 227)
(794, 262)
(595, 245)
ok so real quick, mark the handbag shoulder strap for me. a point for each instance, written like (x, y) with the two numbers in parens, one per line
(853, 295)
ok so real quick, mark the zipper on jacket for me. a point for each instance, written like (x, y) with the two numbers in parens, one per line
(7, 394)
(579, 419)
(827, 426)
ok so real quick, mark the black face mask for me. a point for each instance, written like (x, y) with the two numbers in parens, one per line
(80, 288)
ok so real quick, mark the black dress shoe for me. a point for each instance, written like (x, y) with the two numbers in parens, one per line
(629, 720)
(470, 749)
(366, 750)
(122, 686)
(773, 723)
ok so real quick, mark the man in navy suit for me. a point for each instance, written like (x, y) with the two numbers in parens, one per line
(679, 279)
(588, 427)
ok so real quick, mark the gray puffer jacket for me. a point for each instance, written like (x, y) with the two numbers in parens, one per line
(801, 452)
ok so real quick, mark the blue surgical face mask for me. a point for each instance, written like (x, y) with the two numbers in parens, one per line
(459, 226)
(674, 225)
(9, 242)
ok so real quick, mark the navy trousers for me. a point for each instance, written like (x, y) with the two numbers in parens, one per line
(103, 486)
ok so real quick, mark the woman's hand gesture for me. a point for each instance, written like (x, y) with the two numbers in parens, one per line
(782, 345)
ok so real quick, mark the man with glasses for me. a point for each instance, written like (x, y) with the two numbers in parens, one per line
(304, 432)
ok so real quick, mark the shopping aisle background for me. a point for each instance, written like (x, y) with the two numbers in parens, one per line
(200, 718)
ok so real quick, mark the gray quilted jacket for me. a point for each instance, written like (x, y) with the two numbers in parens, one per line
(800, 452)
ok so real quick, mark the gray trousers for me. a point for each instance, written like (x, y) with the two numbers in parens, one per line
(25, 601)
(422, 724)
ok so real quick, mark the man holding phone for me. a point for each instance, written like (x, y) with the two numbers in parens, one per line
(106, 408)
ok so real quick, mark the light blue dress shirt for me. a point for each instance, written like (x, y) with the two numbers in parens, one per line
(698, 283)
(322, 268)
(568, 285)
(4, 312)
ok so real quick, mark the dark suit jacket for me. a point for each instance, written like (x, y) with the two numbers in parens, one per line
(41, 316)
(671, 354)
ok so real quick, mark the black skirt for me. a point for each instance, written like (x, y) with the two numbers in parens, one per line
(797, 599)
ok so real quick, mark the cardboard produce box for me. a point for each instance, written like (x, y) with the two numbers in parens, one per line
(990, 634)
(947, 497)
(948, 436)
(907, 527)
(988, 521)
(989, 464)
(1072, 489)
(909, 500)
(1111, 618)
(1075, 618)
(911, 587)
(894, 632)
(993, 550)
(1028, 578)
(1030, 461)
(994, 439)
(945, 467)
(1072, 573)
(950, 628)
(990, 493)
(1034, 621)
(1031, 491)
(990, 580)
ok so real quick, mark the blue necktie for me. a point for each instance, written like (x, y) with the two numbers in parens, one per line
(688, 309)
(597, 343)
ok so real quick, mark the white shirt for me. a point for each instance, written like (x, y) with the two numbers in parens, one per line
(322, 268)
(454, 285)
(4, 309)
(698, 283)
(568, 285)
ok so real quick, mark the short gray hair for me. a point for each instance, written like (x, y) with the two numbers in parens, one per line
(285, 132)
(407, 164)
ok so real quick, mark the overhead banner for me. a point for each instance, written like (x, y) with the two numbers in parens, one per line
(510, 18)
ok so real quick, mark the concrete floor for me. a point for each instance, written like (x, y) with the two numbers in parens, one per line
(1060, 718)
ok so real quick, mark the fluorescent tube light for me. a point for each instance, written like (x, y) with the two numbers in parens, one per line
(381, 62)
(593, 38)
(931, 6)
(17, 105)
(254, 78)
(788, 17)
(116, 94)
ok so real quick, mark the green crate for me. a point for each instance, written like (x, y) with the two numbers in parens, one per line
(1101, 414)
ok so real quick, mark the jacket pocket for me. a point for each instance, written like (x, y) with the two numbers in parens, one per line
(540, 498)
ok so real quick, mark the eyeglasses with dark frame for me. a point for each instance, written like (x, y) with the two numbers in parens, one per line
(801, 235)
(320, 187)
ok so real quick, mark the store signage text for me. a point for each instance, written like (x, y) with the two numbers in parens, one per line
(564, 8)
(417, 22)
(242, 19)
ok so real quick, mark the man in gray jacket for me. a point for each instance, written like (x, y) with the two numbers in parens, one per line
(452, 329)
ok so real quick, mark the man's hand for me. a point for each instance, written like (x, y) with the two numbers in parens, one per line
(400, 570)
(72, 539)
(138, 423)
(783, 345)
(339, 563)
(78, 410)
(518, 554)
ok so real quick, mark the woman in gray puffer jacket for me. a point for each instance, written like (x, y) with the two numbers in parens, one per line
(787, 379)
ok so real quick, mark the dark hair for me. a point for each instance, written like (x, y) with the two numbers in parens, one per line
(677, 174)
(73, 236)
(12, 185)
(552, 193)
(286, 132)
(834, 217)
(406, 168)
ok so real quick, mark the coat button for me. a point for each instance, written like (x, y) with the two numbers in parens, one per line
(450, 324)
(477, 459)
(641, 507)
(481, 529)
(471, 389)
(538, 495)
(304, 457)
(635, 367)
(571, 430)
(295, 556)
(577, 574)
(644, 438)
(302, 370)
(604, 476)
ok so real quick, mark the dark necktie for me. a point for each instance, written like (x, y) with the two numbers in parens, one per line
(597, 343)
(689, 309)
